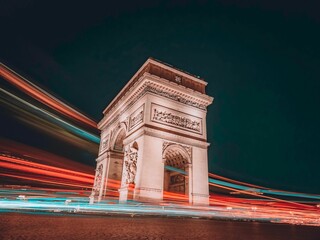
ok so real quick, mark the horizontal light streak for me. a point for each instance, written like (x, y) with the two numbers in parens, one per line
(233, 211)
(42, 166)
(255, 191)
(39, 173)
(45, 181)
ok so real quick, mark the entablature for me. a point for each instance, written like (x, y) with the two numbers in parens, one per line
(162, 70)
(160, 87)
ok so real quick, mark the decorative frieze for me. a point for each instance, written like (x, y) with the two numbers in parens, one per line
(104, 143)
(152, 88)
(136, 117)
(175, 118)
(175, 97)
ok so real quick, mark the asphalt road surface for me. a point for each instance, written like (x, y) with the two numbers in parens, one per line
(31, 226)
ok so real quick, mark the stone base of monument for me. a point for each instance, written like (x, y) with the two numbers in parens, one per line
(200, 199)
(126, 193)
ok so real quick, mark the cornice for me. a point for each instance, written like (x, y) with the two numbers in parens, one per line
(152, 67)
(180, 90)
(161, 87)
(177, 71)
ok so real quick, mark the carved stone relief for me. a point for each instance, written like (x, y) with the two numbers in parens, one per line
(118, 133)
(98, 179)
(177, 79)
(104, 143)
(175, 97)
(136, 118)
(176, 119)
(131, 157)
(166, 144)
(116, 129)
(151, 88)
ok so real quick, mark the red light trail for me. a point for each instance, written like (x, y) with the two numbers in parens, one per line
(42, 96)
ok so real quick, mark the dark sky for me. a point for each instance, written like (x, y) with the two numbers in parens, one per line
(261, 60)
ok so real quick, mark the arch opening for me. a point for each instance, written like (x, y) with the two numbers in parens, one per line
(176, 168)
(115, 166)
(118, 143)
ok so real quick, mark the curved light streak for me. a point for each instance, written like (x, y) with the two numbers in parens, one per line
(55, 119)
(42, 96)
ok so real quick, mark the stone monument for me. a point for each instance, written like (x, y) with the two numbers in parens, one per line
(154, 139)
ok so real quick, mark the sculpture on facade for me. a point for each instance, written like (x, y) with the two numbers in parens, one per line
(176, 120)
(97, 185)
(131, 157)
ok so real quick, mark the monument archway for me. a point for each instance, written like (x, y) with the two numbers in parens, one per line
(118, 140)
(153, 138)
(177, 164)
(115, 162)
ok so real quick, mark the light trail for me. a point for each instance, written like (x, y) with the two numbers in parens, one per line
(291, 212)
(56, 183)
(79, 205)
(256, 190)
(31, 154)
(42, 166)
(267, 197)
(42, 96)
(40, 172)
(44, 172)
(56, 120)
(234, 181)
(264, 207)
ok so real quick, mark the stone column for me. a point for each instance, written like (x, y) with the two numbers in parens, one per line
(200, 193)
(100, 178)
(114, 172)
(190, 181)
(128, 174)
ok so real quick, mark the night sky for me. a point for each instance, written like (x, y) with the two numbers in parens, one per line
(262, 63)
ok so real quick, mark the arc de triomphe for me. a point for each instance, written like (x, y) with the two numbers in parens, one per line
(154, 139)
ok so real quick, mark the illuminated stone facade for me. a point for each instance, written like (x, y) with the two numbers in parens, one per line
(154, 139)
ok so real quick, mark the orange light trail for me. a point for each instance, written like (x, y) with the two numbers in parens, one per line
(262, 196)
(60, 176)
(234, 181)
(42, 166)
(46, 181)
(43, 172)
